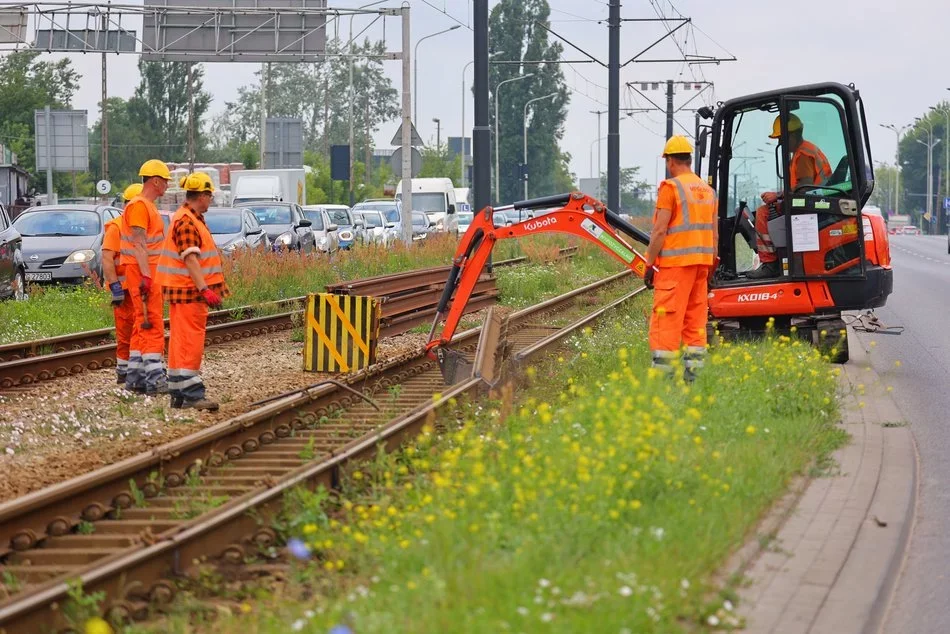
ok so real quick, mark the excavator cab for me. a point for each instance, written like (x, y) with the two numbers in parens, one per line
(830, 256)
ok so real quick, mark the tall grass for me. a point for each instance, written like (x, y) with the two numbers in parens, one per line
(602, 502)
(253, 277)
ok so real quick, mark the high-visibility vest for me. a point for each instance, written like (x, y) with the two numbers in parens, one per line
(154, 234)
(822, 170)
(112, 241)
(689, 238)
(172, 272)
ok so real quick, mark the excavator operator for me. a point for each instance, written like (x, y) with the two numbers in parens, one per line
(683, 248)
(809, 166)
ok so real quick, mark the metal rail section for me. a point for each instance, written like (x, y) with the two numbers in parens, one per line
(409, 300)
(254, 459)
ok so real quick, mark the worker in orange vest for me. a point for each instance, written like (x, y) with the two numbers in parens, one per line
(142, 234)
(680, 260)
(809, 166)
(113, 271)
(192, 280)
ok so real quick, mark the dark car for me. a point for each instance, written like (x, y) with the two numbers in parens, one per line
(63, 243)
(285, 224)
(422, 225)
(234, 229)
(12, 267)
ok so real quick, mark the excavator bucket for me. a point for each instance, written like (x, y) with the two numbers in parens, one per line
(454, 365)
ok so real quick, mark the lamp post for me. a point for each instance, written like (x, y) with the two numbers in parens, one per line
(415, 67)
(897, 162)
(930, 147)
(438, 134)
(525, 134)
(592, 144)
(497, 143)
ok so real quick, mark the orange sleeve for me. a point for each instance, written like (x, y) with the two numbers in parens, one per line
(136, 215)
(111, 240)
(805, 170)
(666, 199)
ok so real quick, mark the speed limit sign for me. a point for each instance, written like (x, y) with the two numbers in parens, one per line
(103, 187)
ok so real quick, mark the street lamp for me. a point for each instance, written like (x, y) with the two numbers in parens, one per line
(930, 145)
(897, 162)
(497, 143)
(438, 134)
(946, 164)
(415, 68)
(592, 144)
(349, 45)
(525, 134)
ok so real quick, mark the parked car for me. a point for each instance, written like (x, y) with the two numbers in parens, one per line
(12, 267)
(390, 209)
(377, 230)
(324, 231)
(234, 229)
(910, 230)
(285, 225)
(63, 243)
(422, 226)
(349, 230)
(499, 219)
(465, 220)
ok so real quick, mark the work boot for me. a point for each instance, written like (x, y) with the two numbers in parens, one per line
(161, 388)
(177, 401)
(765, 271)
(199, 403)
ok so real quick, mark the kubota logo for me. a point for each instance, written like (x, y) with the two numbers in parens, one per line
(541, 223)
(756, 297)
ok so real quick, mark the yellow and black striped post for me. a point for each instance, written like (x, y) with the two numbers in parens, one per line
(341, 332)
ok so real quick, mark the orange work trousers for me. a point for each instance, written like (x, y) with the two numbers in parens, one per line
(680, 307)
(763, 242)
(186, 346)
(147, 346)
(124, 318)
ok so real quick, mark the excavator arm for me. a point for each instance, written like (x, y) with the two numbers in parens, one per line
(577, 214)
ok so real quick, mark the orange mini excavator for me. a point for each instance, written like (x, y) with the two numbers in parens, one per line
(833, 257)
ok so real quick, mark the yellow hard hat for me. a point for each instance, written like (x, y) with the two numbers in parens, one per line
(196, 182)
(794, 125)
(132, 191)
(154, 167)
(678, 145)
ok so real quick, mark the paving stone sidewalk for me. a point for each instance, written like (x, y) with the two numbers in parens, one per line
(836, 557)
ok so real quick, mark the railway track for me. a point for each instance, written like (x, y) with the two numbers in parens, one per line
(409, 300)
(131, 528)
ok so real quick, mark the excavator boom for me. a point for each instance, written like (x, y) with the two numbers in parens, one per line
(574, 214)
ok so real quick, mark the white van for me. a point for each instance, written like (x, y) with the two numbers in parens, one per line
(435, 197)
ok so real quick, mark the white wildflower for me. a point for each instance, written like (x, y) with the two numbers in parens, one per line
(625, 591)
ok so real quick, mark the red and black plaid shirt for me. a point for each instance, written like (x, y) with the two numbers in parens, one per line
(185, 236)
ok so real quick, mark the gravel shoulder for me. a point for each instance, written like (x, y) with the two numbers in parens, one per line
(58, 430)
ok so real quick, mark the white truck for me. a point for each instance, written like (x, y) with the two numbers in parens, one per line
(436, 198)
(288, 185)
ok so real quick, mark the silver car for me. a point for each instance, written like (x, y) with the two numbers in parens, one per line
(63, 243)
(376, 229)
(325, 232)
(235, 229)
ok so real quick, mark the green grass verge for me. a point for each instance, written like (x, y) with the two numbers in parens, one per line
(603, 502)
(253, 278)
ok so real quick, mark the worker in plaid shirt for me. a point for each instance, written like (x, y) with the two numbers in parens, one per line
(192, 282)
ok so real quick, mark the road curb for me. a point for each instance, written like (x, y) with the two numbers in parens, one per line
(839, 551)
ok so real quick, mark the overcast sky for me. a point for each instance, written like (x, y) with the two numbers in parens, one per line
(890, 51)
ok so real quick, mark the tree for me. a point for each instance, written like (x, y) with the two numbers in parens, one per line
(516, 33)
(634, 199)
(914, 164)
(27, 85)
(318, 94)
(884, 181)
(436, 163)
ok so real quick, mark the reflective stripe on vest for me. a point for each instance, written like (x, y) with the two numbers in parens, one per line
(689, 238)
(822, 170)
(172, 272)
(154, 234)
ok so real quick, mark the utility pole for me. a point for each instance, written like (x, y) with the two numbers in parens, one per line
(438, 134)
(265, 79)
(104, 127)
(613, 107)
(599, 151)
(405, 214)
(481, 132)
(669, 113)
(191, 118)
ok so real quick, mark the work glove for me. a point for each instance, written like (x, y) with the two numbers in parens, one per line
(118, 293)
(212, 298)
(648, 277)
(145, 286)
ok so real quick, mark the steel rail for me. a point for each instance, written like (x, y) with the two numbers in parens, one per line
(138, 574)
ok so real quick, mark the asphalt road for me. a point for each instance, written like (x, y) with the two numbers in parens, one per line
(921, 382)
